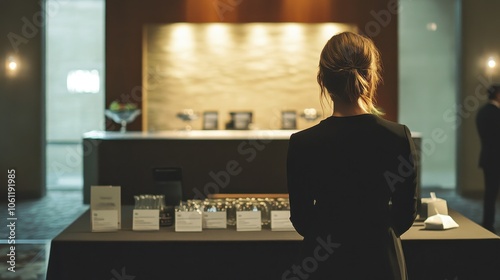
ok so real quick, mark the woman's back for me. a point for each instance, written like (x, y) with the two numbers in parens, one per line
(351, 178)
(351, 168)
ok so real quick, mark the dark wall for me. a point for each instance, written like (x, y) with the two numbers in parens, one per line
(22, 97)
(125, 21)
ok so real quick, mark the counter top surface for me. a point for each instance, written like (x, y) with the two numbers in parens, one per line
(81, 230)
(467, 230)
(196, 134)
(190, 134)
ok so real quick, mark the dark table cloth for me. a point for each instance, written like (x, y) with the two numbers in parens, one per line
(467, 252)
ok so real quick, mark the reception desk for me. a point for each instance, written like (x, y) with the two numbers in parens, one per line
(210, 162)
(467, 252)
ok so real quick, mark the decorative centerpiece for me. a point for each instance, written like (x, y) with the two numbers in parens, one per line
(310, 114)
(122, 113)
(187, 115)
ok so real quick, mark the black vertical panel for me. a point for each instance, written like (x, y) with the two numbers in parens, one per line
(22, 96)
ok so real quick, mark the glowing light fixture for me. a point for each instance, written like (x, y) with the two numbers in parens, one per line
(328, 30)
(11, 65)
(258, 34)
(218, 37)
(432, 26)
(292, 37)
(492, 63)
(293, 31)
(83, 81)
(182, 37)
(218, 32)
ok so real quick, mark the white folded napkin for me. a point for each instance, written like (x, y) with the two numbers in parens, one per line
(440, 221)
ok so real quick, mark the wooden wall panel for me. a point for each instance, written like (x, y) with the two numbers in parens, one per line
(306, 11)
(125, 21)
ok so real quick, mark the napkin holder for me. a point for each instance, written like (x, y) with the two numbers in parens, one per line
(433, 206)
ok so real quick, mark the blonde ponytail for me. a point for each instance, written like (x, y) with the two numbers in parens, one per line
(349, 69)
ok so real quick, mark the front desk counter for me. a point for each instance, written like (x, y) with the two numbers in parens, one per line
(467, 252)
(207, 162)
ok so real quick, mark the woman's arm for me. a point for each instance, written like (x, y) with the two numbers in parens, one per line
(404, 194)
(301, 199)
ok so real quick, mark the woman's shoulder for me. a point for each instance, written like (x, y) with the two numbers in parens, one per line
(390, 124)
(361, 124)
(392, 129)
(307, 133)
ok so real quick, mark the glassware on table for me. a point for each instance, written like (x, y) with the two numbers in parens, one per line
(265, 208)
(148, 201)
(248, 205)
(214, 205)
(230, 205)
(166, 213)
(194, 204)
(285, 203)
(189, 206)
(281, 204)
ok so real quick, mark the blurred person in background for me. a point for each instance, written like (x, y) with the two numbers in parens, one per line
(488, 127)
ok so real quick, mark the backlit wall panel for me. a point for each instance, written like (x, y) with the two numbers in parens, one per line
(260, 67)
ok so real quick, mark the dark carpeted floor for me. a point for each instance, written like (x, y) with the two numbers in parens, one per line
(41, 220)
(38, 222)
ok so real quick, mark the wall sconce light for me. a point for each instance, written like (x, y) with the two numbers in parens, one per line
(491, 63)
(432, 26)
(11, 65)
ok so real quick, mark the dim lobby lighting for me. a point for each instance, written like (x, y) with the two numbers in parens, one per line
(11, 64)
(492, 63)
(182, 37)
(432, 26)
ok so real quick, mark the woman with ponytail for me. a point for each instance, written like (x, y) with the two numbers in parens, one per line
(350, 198)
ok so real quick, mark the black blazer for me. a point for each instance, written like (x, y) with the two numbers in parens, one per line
(353, 180)
(488, 127)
